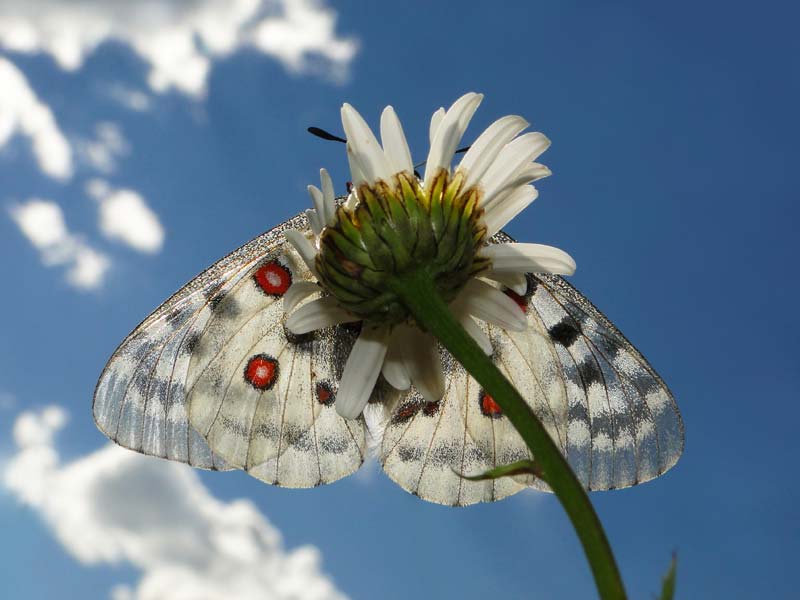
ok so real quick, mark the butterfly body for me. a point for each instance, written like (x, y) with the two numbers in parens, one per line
(214, 379)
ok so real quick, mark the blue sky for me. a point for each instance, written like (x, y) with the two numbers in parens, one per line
(674, 133)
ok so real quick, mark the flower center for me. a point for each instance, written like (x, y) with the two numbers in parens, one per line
(398, 228)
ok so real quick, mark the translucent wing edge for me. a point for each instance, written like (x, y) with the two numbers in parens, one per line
(251, 250)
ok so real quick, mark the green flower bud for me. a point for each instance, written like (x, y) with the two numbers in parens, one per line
(397, 228)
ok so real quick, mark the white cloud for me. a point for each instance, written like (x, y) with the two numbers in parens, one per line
(88, 268)
(179, 39)
(126, 217)
(22, 113)
(129, 97)
(303, 32)
(115, 506)
(42, 222)
(108, 145)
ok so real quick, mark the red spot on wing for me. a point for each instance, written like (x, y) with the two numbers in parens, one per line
(489, 407)
(406, 411)
(325, 393)
(430, 409)
(261, 371)
(273, 278)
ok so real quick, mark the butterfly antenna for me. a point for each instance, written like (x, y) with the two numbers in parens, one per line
(325, 135)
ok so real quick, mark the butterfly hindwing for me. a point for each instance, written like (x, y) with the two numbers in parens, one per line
(428, 446)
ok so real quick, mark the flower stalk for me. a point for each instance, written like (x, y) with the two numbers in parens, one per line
(418, 293)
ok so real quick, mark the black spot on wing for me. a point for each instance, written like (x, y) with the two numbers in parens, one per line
(578, 412)
(444, 454)
(408, 453)
(299, 437)
(590, 372)
(225, 307)
(304, 341)
(564, 332)
(333, 444)
(191, 343)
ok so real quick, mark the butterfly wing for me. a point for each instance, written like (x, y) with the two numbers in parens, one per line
(141, 398)
(263, 399)
(217, 354)
(602, 403)
(427, 446)
(623, 425)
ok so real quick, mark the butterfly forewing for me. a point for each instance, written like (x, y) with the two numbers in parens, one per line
(140, 399)
(624, 427)
(263, 402)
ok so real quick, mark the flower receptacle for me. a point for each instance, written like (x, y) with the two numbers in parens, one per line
(397, 228)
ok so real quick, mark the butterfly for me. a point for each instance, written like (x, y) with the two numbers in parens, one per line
(214, 379)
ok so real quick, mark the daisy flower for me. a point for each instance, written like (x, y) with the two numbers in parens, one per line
(395, 222)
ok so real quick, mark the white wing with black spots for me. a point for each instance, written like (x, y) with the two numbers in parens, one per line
(140, 399)
(623, 426)
(212, 379)
(263, 401)
(427, 446)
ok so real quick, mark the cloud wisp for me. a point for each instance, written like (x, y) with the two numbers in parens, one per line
(180, 39)
(22, 113)
(115, 506)
(42, 222)
(125, 217)
(103, 150)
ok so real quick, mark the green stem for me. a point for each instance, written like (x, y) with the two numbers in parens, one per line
(418, 292)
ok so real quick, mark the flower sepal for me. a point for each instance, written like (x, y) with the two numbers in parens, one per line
(395, 228)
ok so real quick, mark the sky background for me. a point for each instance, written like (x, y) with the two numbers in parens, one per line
(140, 144)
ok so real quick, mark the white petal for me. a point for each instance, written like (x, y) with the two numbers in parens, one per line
(304, 248)
(526, 174)
(516, 282)
(529, 173)
(318, 314)
(529, 258)
(367, 151)
(313, 221)
(394, 142)
(356, 174)
(352, 200)
(329, 199)
(421, 357)
(485, 149)
(489, 304)
(297, 292)
(394, 369)
(318, 200)
(361, 371)
(436, 120)
(473, 329)
(449, 134)
(502, 212)
(512, 157)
